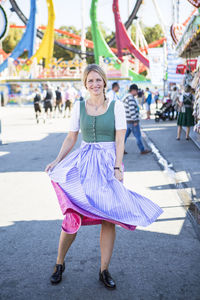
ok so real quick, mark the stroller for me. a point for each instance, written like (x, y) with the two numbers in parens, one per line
(167, 111)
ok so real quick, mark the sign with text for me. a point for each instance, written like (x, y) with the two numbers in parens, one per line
(156, 65)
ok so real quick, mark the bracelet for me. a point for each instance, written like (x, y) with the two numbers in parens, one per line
(117, 168)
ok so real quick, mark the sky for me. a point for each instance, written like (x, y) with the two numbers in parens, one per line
(68, 12)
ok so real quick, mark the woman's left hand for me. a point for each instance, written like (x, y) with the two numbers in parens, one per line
(119, 175)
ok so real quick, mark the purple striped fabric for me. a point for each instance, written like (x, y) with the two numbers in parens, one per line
(88, 191)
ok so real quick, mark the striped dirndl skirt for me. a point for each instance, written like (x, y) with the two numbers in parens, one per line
(88, 191)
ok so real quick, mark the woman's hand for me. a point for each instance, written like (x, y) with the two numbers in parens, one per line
(67, 145)
(119, 175)
(51, 165)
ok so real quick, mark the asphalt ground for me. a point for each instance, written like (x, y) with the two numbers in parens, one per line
(161, 261)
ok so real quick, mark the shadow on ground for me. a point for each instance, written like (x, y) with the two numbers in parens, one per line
(146, 265)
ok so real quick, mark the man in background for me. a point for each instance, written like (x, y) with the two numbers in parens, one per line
(70, 96)
(37, 102)
(156, 96)
(48, 100)
(133, 118)
(112, 94)
(140, 98)
(148, 100)
(58, 100)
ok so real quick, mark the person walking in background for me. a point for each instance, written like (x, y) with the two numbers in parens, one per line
(156, 96)
(37, 104)
(140, 97)
(48, 101)
(58, 104)
(148, 100)
(88, 181)
(187, 78)
(175, 100)
(112, 94)
(70, 96)
(185, 117)
(133, 118)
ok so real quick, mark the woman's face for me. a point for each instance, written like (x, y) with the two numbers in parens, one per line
(94, 84)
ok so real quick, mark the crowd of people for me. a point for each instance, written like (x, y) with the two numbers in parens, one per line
(176, 105)
(50, 103)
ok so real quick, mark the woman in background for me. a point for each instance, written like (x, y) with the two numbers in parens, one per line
(185, 117)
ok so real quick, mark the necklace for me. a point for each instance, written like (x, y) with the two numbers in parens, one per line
(96, 107)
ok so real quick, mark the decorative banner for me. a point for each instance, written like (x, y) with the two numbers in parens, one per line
(191, 64)
(196, 3)
(156, 64)
(3, 22)
(176, 31)
(180, 69)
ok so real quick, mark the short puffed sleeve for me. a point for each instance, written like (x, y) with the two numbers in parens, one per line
(120, 115)
(75, 117)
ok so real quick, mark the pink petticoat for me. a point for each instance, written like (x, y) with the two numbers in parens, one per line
(76, 216)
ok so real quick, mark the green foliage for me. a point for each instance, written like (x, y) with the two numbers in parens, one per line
(153, 33)
(144, 73)
(71, 29)
(60, 52)
(133, 33)
(12, 39)
(89, 33)
(24, 55)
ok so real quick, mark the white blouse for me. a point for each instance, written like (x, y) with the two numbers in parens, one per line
(119, 111)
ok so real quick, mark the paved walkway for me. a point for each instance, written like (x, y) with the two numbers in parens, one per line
(161, 261)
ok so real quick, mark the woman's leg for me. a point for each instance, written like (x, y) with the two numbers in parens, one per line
(107, 240)
(187, 132)
(137, 134)
(179, 132)
(128, 131)
(64, 244)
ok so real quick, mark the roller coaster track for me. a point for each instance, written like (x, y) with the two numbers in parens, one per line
(128, 23)
(40, 34)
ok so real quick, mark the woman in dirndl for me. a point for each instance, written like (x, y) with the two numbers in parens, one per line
(88, 181)
(185, 116)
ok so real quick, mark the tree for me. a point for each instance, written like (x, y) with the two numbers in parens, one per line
(60, 52)
(133, 33)
(12, 39)
(152, 34)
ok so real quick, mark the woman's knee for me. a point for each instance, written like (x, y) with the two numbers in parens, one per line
(106, 224)
(68, 236)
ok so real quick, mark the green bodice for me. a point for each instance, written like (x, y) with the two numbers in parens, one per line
(100, 128)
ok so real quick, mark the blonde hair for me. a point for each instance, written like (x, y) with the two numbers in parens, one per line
(100, 71)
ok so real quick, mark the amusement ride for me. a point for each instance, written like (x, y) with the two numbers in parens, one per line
(126, 60)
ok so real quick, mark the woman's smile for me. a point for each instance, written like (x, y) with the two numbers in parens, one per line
(95, 83)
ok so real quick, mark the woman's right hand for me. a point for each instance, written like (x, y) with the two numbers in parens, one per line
(51, 165)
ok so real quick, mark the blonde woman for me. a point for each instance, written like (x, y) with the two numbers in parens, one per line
(88, 181)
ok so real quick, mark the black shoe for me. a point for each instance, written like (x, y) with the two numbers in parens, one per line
(125, 152)
(106, 278)
(56, 277)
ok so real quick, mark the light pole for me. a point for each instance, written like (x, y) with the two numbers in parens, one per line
(83, 48)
